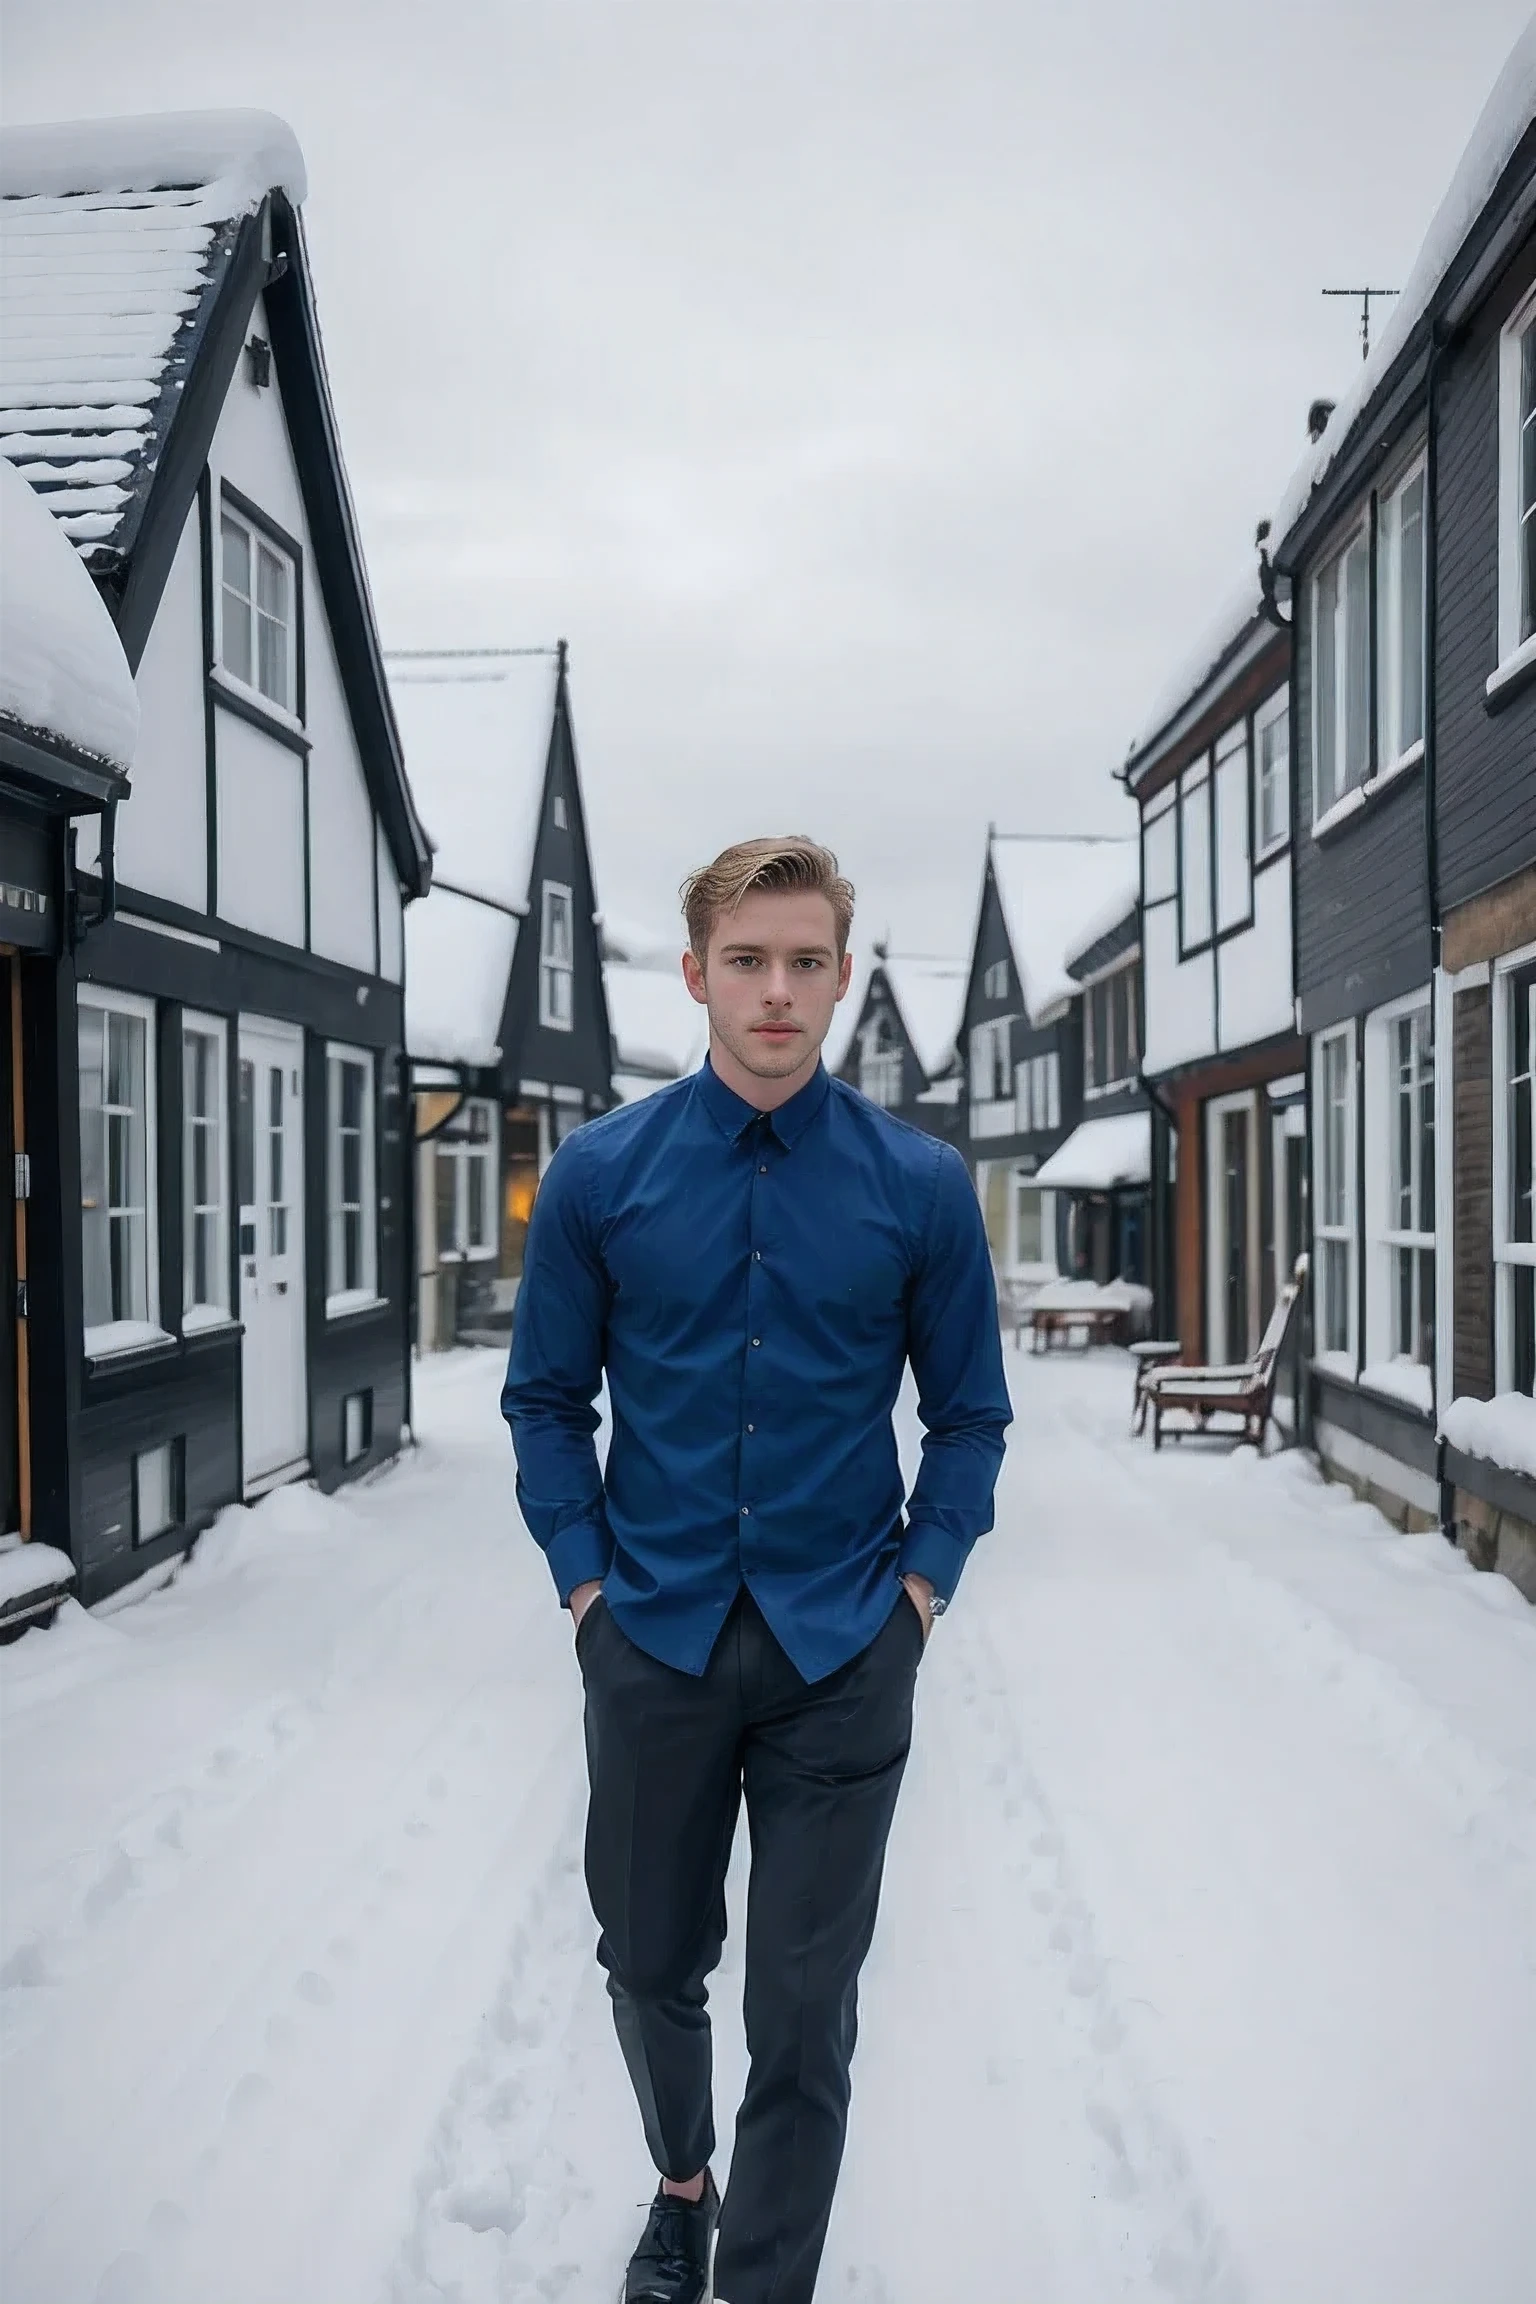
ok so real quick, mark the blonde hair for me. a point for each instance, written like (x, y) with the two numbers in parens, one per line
(794, 863)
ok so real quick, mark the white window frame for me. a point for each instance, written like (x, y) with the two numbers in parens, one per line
(1195, 791)
(994, 982)
(1275, 713)
(103, 1338)
(210, 1311)
(1515, 610)
(364, 1290)
(258, 540)
(1395, 747)
(1385, 1238)
(557, 976)
(464, 1152)
(1342, 1359)
(990, 1051)
(1509, 1255)
(1342, 784)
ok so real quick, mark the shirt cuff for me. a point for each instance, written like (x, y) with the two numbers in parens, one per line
(928, 1549)
(580, 1553)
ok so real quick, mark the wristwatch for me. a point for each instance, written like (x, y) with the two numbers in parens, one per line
(936, 1603)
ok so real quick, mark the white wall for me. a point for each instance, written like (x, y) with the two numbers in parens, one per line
(1181, 1024)
(1255, 968)
(252, 451)
(162, 828)
(261, 831)
(391, 914)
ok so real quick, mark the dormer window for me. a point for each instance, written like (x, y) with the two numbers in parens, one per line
(256, 611)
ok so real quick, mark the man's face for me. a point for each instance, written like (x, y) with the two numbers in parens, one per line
(771, 980)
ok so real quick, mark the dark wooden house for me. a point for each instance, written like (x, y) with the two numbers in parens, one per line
(1021, 1036)
(1415, 807)
(506, 1018)
(212, 1057)
(900, 1047)
(1226, 1069)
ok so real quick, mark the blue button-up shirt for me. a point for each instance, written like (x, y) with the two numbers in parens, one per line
(753, 1285)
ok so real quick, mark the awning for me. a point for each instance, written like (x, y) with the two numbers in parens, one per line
(1101, 1156)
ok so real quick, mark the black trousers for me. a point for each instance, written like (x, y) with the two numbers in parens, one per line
(671, 1758)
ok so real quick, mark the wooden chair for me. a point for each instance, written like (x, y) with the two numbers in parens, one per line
(1245, 1391)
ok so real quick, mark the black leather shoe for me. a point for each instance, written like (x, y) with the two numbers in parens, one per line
(671, 2264)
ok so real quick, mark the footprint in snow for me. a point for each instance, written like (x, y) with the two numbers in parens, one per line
(313, 1987)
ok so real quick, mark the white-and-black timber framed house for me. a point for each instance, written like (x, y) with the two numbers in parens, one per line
(216, 1089)
(1415, 805)
(1104, 1167)
(1212, 780)
(901, 1049)
(1021, 1037)
(506, 1014)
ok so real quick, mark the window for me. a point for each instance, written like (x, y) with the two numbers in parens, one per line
(1195, 857)
(117, 1168)
(1234, 870)
(1400, 620)
(204, 1181)
(1335, 1095)
(1514, 1237)
(880, 1076)
(256, 612)
(990, 1052)
(1272, 774)
(1024, 1109)
(1159, 849)
(559, 812)
(995, 981)
(556, 959)
(466, 1184)
(356, 1426)
(351, 1246)
(157, 1490)
(1517, 486)
(1045, 1093)
(1111, 1030)
(1400, 1186)
(1341, 674)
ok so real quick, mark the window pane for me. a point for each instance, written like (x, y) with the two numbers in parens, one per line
(93, 1169)
(476, 1192)
(351, 1095)
(272, 584)
(1195, 870)
(272, 665)
(1522, 1280)
(1403, 1152)
(1326, 675)
(1335, 1295)
(245, 1134)
(1233, 894)
(1410, 594)
(446, 1182)
(1161, 861)
(237, 558)
(1426, 1091)
(1357, 665)
(237, 637)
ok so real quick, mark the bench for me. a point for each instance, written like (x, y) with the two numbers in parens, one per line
(1244, 1391)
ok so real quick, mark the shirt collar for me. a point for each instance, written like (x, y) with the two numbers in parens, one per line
(733, 1115)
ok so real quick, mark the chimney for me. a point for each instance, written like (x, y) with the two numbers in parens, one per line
(1317, 418)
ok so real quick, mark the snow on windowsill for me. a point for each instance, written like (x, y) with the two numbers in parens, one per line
(1512, 668)
(353, 1300)
(1339, 813)
(1340, 1365)
(1393, 769)
(28, 1568)
(1404, 1380)
(203, 1319)
(117, 1336)
(1501, 1430)
(226, 684)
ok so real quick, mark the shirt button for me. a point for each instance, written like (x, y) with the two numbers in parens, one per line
(757, 1255)
(746, 1511)
(762, 1171)
(756, 1341)
(751, 1427)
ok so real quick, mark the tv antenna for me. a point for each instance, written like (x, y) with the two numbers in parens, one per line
(1365, 295)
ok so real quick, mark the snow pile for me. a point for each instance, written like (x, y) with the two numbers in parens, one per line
(1401, 1379)
(1092, 1296)
(1101, 1156)
(458, 958)
(1048, 890)
(29, 1568)
(1502, 1430)
(1506, 118)
(63, 674)
(659, 1030)
(108, 231)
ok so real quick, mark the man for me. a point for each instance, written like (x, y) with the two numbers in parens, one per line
(750, 1258)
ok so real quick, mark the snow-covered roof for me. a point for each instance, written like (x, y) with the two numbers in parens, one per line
(931, 996)
(476, 740)
(640, 944)
(659, 1030)
(112, 234)
(63, 675)
(1050, 891)
(1115, 909)
(1101, 1155)
(1505, 120)
(1218, 641)
(458, 957)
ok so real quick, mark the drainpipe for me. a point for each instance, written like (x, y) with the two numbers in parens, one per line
(1166, 1275)
(83, 922)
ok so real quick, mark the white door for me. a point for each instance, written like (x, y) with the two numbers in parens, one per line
(269, 1153)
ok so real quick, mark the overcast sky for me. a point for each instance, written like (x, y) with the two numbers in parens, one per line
(879, 396)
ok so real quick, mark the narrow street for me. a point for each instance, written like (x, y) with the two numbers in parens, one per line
(1207, 1968)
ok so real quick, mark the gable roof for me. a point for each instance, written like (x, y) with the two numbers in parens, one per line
(929, 996)
(1051, 891)
(64, 680)
(1502, 138)
(132, 253)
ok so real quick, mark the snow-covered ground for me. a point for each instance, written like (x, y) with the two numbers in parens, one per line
(1207, 1966)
